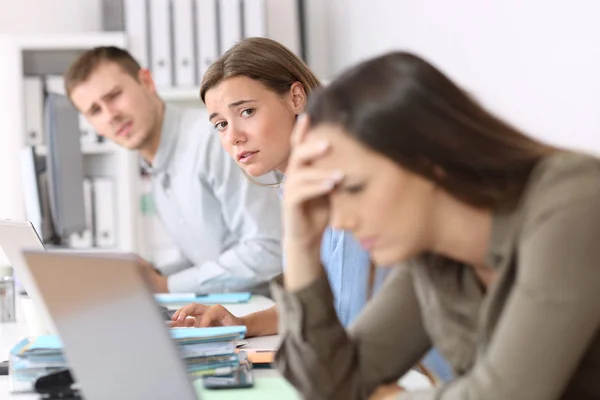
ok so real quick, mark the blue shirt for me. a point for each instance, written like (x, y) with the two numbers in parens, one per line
(347, 267)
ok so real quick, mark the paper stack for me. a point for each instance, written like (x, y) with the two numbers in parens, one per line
(209, 351)
(33, 358)
(205, 351)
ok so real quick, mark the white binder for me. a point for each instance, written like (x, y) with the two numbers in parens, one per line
(84, 240)
(255, 18)
(161, 62)
(105, 227)
(55, 84)
(34, 110)
(207, 34)
(136, 26)
(230, 23)
(183, 42)
(88, 133)
(283, 23)
(317, 51)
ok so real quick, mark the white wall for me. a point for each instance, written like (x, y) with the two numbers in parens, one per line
(534, 62)
(49, 16)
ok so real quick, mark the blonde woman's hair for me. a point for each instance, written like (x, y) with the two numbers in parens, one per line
(263, 60)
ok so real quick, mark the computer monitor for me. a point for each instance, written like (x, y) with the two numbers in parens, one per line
(64, 162)
(35, 192)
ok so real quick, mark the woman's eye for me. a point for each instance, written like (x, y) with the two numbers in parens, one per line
(248, 112)
(220, 126)
(354, 189)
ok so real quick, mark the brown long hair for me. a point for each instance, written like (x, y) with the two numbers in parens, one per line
(404, 108)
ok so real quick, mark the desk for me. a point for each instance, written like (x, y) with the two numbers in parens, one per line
(12, 333)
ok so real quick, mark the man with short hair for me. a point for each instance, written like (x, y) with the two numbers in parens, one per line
(228, 229)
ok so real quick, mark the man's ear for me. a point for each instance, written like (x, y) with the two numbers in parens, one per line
(146, 80)
(298, 97)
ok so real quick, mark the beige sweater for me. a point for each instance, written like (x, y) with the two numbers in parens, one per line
(534, 335)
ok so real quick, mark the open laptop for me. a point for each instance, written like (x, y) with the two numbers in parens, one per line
(18, 235)
(14, 237)
(115, 338)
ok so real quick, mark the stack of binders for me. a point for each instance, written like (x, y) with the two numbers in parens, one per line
(33, 358)
(205, 351)
(209, 351)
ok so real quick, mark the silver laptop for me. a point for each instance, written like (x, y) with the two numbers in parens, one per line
(14, 237)
(115, 338)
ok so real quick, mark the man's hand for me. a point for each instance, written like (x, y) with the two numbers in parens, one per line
(200, 316)
(386, 392)
(153, 276)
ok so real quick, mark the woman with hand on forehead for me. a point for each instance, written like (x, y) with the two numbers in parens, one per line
(491, 235)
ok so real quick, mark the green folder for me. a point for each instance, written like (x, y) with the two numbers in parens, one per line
(268, 388)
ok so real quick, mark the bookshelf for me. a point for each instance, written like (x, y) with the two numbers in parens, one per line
(100, 158)
(107, 148)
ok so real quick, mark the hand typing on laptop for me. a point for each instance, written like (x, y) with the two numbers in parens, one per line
(260, 323)
(199, 315)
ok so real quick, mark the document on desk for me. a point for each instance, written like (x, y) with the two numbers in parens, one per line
(216, 298)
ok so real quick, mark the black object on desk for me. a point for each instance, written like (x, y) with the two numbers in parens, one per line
(4, 368)
(57, 385)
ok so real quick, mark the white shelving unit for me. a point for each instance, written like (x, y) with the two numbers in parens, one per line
(109, 159)
(103, 158)
(107, 148)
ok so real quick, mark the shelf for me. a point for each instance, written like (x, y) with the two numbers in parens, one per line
(86, 148)
(69, 41)
(180, 94)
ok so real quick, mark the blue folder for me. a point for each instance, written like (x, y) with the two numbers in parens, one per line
(46, 342)
(217, 298)
(235, 332)
(53, 342)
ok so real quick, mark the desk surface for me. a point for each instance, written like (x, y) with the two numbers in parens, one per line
(12, 333)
